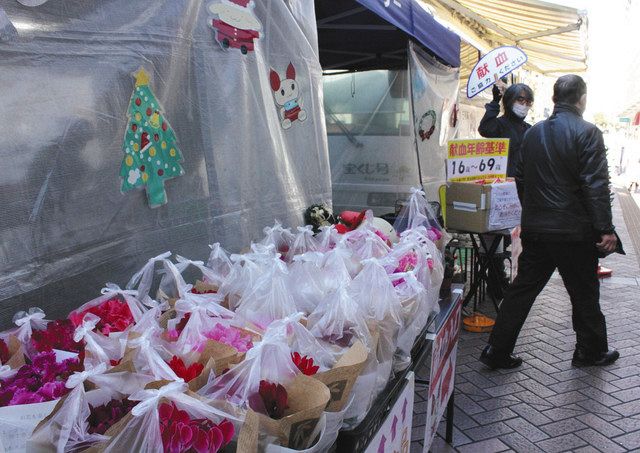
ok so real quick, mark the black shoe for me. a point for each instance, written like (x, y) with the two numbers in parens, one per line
(581, 358)
(495, 360)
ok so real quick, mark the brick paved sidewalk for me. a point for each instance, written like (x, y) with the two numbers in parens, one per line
(547, 405)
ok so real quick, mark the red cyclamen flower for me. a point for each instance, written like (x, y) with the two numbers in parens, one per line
(304, 364)
(184, 372)
(272, 400)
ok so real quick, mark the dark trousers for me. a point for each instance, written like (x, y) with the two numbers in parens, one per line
(577, 263)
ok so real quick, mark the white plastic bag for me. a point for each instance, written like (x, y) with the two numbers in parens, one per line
(143, 279)
(270, 360)
(219, 262)
(413, 301)
(99, 348)
(306, 281)
(281, 238)
(208, 275)
(373, 291)
(269, 298)
(242, 276)
(516, 250)
(26, 322)
(303, 242)
(142, 434)
(67, 430)
(113, 291)
(203, 309)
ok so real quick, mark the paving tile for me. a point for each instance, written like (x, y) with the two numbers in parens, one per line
(627, 424)
(627, 382)
(488, 431)
(496, 403)
(536, 388)
(529, 431)
(486, 446)
(630, 440)
(532, 398)
(459, 438)
(531, 414)
(562, 443)
(625, 396)
(506, 389)
(602, 426)
(628, 409)
(560, 413)
(564, 399)
(566, 426)
(485, 418)
(520, 443)
(568, 386)
(597, 440)
(600, 397)
(467, 405)
(439, 445)
(597, 408)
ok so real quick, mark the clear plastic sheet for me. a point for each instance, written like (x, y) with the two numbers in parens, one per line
(66, 83)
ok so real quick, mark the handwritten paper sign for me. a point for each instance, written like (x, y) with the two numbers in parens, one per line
(505, 206)
(477, 159)
(493, 66)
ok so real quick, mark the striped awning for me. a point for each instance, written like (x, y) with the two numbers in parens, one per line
(553, 36)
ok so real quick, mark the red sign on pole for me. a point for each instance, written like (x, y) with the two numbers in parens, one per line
(443, 371)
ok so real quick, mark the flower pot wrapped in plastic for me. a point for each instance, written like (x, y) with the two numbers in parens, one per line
(306, 281)
(117, 309)
(98, 348)
(417, 213)
(242, 276)
(337, 373)
(29, 394)
(374, 292)
(269, 298)
(97, 400)
(415, 314)
(281, 238)
(286, 405)
(304, 242)
(339, 323)
(170, 418)
(170, 283)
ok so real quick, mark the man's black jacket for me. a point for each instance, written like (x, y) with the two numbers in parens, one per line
(563, 178)
(507, 126)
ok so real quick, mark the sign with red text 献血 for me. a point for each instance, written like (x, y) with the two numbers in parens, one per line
(477, 159)
(493, 66)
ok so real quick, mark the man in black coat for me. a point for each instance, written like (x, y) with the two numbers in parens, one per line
(563, 185)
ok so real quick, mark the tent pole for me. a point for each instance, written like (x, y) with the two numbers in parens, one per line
(413, 120)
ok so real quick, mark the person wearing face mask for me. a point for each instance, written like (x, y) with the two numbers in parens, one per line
(563, 186)
(516, 100)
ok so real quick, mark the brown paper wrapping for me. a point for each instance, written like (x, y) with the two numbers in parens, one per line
(341, 378)
(307, 398)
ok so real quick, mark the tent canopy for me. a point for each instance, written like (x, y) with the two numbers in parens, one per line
(366, 34)
(553, 36)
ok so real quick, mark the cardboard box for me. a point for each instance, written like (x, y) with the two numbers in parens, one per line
(480, 208)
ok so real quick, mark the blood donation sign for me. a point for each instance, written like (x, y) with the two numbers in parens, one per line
(477, 159)
(493, 66)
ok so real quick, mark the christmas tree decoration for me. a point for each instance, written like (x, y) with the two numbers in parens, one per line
(236, 25)
(150, 145)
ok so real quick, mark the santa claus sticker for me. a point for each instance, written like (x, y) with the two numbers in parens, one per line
(286, 92)
(235, 24)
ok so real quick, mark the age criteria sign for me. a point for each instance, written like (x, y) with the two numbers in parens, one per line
(477, 159)
(493, 66)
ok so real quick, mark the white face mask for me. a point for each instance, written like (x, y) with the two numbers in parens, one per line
(520, 110)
